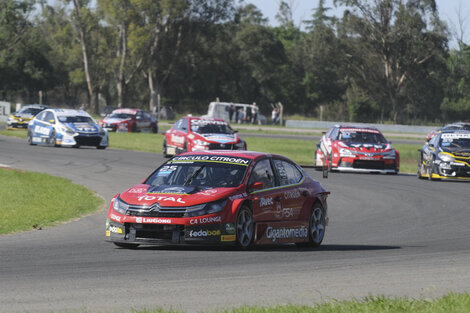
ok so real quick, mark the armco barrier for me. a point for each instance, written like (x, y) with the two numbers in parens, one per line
(382, 127)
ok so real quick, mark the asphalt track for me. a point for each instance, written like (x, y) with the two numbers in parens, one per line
(388, 235)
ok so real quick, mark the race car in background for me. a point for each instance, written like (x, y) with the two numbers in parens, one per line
(446, 156)
(358, 149)
(21, 118)
(129, 120)
(220, 197)
(453, 126)
(66, 127)
(198, 134)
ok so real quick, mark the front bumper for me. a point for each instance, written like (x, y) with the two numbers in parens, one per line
(83, 139)
(454, 170)
(372, 165)
(158, 234)
(17, 124)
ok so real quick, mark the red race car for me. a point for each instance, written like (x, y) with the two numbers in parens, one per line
(199, 134)
(130, 120)
(221, 197)
(360, 149)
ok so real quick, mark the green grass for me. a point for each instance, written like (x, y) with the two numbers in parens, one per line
(33, 200)
(451, 303)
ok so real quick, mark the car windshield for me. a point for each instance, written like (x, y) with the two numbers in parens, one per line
(211, 127)
(361, 137)
(121, 115)
(201, 171)
(76, 119)
(32, 111)
(455, 142)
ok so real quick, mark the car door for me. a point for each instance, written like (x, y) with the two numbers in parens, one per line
(43, 126)
(176, 136)
(293, 195)
(267, 201)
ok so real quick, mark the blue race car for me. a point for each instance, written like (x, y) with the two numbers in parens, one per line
(66, 127)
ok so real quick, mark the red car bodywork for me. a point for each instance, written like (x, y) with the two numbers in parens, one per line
(199, 134)
(129, 120)
(360, 149)
(281, 207)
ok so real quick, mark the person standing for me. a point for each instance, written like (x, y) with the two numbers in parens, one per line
(230, 112)
(255, 113)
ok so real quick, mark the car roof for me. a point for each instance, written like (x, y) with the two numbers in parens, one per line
(204, 118)
(358, 128)
(69, 112)
(126, 110)
(38, 106)
(254, 155)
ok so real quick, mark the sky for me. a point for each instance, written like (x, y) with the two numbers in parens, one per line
(303, 10)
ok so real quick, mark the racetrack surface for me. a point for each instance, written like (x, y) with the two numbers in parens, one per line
(390, 235)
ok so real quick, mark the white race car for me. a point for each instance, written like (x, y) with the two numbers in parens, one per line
(66, 127)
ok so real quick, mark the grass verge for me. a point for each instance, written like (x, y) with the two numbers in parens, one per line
(450, 303)
(34, 200)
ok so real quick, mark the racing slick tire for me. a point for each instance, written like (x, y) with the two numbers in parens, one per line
(165, 152)
(431, 171)
(53, 139)
(154, 129)
(133, 128)
(126, 245)
(100, 147)
(420, 170)
(317, 168)
(245, 228)
(30, 139)
(316, 227)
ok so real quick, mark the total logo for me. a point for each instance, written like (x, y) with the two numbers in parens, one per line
(204, 233)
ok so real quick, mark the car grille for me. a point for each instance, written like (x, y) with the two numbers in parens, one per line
(92, 140)
(221, 146)
(373, 165)
(153, 231)
(156, 211)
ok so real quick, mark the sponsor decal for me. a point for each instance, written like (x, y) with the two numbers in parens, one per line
(294, 194)
(360, 130)
(115, 229)
(209, 192)
(216, 158)
(201, 122)
(41, 130)
(265, 202)
(239, 196)
(160, 198)
(204, 233)
(287, 212)
(152, 220)
(454, 136)
(108, 233)
(115, 217)
(167, 170)
(177, 139)
(205, 220)
(137, 190)
(230, 228)
(228, 238)
(286, 233)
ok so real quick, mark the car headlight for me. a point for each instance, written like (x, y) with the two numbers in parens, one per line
(389, 154)
(67, 130)
(198, 142)
(120, 206)
(240, 144)
(11, 118)
(204, 209)
(346, 153)
(446, 157)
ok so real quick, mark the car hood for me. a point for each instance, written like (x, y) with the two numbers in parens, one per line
(84, 127)
(366, 147)
(23, 115)
(460, 153)
(115, 120)
(145, 195)
(219, 138)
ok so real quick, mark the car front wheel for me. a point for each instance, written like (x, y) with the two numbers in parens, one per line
(126, 245)
(30, 139)
(245, 228)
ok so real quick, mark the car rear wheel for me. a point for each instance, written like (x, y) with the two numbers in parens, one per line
(126, 245)
(245, 228)
(154, 129)
(315, 161)
(133, 128)
(165, 151)
(316, 227)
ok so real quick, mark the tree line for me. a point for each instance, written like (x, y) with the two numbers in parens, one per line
(381, 61)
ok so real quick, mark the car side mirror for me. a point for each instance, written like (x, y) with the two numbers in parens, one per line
(256, 186)
(52, 121)
(143, 180)
(431, 145)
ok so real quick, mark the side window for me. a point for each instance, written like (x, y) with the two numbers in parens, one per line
(41, 116)
(288, 173)
(328, 133)
(262, 172)
(334, 133)
(184, 126)
(178, 124)
(49, 117)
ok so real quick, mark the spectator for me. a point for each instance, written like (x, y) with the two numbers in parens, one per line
(230, 112)
(255, 113)
(275, 115)
(83, 107)
(248, 115)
